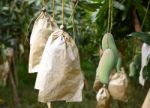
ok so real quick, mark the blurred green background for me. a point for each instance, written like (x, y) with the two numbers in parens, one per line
(91, 23)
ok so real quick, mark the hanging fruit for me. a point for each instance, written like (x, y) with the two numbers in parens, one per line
(108, 42)
(105, 66)
(118, 86)
(119, 64)
(132, 69)
(43, 27)
(103, 98)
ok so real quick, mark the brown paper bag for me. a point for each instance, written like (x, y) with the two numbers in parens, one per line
(146, 103)
(4, 71)
(103, 98)
(42, 29)
(118, 86)
(60, 77)
(97, 84)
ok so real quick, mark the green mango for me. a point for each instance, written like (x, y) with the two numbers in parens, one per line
(132, 69)
(119, 64)
(108, 42)
(105, 66)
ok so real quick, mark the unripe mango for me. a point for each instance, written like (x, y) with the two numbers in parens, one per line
(108, 42)
(132, 69)
(119, 64)
(137, 61)
(105, 66)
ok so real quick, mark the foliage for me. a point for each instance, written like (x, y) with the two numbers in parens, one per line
(91, 23)
(144, 37)
(146, 70)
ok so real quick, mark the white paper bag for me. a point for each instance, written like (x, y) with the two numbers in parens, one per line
(118, 86)
(59, 77)
(103, 98)
(42, 29)
(145, 53)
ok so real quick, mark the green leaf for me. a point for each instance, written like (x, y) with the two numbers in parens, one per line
(30, 1)
(89, 6)
(101, 17)
(140, 9)
(5, 8)
(146, 71)
(94, 15)
(118, 5)
(143, 36)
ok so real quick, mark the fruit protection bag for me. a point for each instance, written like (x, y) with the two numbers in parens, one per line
(60, 77)
(118, 86)
(43, 27)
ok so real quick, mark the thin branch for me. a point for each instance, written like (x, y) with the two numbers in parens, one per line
(111, 25)
(145, 14)
(109, 13)
(62, 12)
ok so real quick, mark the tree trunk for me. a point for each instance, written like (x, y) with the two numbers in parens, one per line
(136, 22)
(14, 90)
(13, 82)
